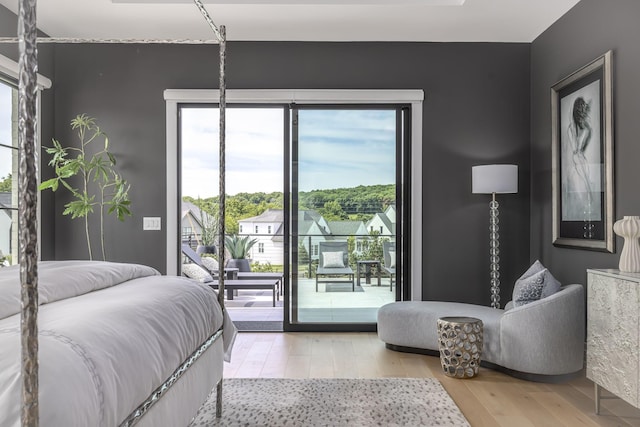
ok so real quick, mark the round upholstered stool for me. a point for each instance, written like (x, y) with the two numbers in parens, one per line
(460, 345)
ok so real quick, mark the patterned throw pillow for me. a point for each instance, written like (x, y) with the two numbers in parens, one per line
(332, 259)
(536, 283)
(209, 263)
(196, 272)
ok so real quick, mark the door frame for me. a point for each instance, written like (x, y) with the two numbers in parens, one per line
(414, 97)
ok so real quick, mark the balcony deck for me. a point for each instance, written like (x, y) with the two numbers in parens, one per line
(340, 305)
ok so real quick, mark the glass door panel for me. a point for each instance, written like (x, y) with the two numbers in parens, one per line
(254, 198)
(344, 200)
(8, 172)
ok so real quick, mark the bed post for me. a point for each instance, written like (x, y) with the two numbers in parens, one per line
(221, 35)
(27, 207)
(222, 199)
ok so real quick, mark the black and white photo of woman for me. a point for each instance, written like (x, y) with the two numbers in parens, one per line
(580, 164)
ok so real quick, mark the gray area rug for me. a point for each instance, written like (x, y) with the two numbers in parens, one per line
(258, 326)
(332, 402)
(254, 298)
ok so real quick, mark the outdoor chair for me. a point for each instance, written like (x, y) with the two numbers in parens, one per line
(211, 265)
(206, 270)
(389, 253)
(207, 263)
(333, 264)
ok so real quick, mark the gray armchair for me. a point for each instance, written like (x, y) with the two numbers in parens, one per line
(333, 264)
(389, 255)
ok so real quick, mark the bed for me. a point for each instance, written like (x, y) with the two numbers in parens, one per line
(109, 335)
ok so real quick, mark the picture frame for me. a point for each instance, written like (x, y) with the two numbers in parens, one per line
(582, 157)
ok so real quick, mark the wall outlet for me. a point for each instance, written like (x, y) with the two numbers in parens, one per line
(152, 223)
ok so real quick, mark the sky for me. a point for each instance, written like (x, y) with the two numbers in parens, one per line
(254, 151)
(346, 148)
(338, 149)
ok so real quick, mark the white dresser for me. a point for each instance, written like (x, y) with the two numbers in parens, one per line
(613, 333)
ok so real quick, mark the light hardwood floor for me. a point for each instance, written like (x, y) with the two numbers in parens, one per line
(490, 399)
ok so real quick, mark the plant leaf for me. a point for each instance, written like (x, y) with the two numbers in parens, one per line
(50, 183)
(79, 208)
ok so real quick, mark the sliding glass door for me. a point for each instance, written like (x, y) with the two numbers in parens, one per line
(321, 189)
(254, 199)
(346, 214)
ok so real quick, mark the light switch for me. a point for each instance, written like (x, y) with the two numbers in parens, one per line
(152, 223)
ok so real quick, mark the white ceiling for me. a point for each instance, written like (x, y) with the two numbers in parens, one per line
(302, 20)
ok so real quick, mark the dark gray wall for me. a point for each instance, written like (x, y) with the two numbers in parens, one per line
(476, 111)
(9, 28)
(587, 31)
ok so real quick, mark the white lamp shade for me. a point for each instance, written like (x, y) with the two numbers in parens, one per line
(487, 179)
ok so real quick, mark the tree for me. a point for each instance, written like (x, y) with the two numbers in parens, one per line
(374, 249)
(112, 190)
(5, 184)
(332, 211)
(358, 203)
(210, 225)
(303, 255)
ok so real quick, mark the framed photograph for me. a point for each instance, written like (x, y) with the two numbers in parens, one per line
(582, 152)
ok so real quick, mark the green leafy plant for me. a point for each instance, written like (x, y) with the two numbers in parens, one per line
(209, 226)
(5, 259)
(5, 184)
(239, 246)
(109, 192)
(265, 268)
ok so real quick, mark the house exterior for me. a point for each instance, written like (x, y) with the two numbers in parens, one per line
(384, 223)
(267, 229)
(191, 224)
(313, 228)
(344, 229)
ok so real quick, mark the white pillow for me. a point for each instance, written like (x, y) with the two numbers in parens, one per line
(333, 259)
(392, 259)
(196, 272)
(534, 284)
(210, 264)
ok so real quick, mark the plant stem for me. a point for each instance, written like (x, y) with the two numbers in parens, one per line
(104, 254)
(86, 230)
(85, 180)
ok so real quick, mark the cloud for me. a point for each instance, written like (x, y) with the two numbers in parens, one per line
(346, 148)
(338, 148)
(254, 150)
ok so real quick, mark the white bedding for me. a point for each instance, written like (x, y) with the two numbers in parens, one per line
(102, 351)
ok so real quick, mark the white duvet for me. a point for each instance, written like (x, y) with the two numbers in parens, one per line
(109, 334)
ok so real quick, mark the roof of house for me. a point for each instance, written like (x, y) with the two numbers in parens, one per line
(390, 208)
(346, 228)
(270, 215)
(278, 236)
(304, 227)
(5, 200)
(309, 215)
(190, 208)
